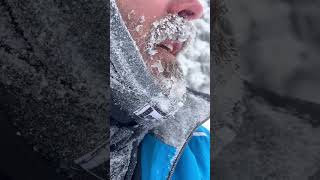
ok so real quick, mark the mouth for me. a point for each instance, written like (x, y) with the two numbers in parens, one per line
(171, 46)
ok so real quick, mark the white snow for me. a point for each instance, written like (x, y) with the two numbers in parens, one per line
(195, 60)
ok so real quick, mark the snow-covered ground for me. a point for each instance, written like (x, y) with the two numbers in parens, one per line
(279, 45)
(196, 60)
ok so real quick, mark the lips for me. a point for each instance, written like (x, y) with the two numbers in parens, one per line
(173, 47)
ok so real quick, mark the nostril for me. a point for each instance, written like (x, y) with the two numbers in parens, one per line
(186, 14)
(188, 9)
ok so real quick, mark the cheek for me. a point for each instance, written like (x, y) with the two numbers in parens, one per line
(132, 12)
(150, 9)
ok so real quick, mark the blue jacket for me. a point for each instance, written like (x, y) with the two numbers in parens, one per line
(157, 158)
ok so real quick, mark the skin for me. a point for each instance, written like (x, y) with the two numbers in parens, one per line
(139, 16)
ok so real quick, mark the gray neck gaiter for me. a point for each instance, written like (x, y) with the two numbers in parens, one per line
(139, 106)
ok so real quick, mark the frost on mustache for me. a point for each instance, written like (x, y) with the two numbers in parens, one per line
(171, 27)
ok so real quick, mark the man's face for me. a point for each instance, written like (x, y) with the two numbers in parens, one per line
(161, 29)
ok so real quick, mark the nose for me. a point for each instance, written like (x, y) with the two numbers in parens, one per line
(188, 9)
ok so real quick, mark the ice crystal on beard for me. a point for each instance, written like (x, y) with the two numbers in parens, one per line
(171, 27)
(138, 28)
(142, 19)
(159, 66)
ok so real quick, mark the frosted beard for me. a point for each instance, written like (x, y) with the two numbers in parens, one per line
(164, 65)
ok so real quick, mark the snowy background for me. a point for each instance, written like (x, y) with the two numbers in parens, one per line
(196, 60)
(278, 136)
(279, 45)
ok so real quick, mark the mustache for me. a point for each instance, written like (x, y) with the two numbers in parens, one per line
(171, 27)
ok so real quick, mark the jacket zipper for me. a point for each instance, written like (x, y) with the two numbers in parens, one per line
(182, 149)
